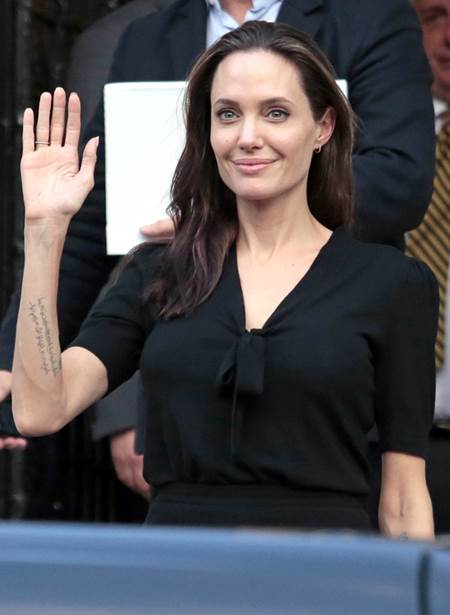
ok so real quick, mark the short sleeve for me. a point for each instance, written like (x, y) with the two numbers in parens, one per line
(117, 326)
(7, 424)
(405, 364)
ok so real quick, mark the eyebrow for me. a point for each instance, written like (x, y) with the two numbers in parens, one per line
(277, 100)
(433, 9)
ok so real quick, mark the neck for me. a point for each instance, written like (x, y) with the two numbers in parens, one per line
(267, 229)
(236, 8)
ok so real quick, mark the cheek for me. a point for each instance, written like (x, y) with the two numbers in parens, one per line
(431, 42)
(299, 150)
(222, 151)
(220, 147)
(221, 141)
(293, 144)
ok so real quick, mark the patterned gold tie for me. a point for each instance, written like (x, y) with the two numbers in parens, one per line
(430, 242)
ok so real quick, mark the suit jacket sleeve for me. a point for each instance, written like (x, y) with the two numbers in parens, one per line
(7, 336)
(117, 411)
(8, 332)
(390, 91)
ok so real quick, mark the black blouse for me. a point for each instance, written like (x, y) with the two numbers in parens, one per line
(351, 345)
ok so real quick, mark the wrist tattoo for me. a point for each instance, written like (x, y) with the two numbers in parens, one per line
(50, 361)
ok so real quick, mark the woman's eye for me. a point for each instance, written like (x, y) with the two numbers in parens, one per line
(226, 115)
(278, 114)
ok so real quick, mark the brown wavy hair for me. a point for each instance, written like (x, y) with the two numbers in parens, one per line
(203, 208)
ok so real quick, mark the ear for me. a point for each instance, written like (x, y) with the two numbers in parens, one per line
(326, 127)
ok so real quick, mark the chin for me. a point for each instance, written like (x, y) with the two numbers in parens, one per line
(254, 193)
(256, 196)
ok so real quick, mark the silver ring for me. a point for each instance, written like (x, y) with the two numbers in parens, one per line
(42, 142)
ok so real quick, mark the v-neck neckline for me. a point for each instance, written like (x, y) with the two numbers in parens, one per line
(304, 280)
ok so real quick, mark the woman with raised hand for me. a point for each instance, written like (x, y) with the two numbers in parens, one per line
(54, 188)
(269, 341)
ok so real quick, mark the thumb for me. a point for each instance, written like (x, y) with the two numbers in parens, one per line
(159, 231)
(88, 161)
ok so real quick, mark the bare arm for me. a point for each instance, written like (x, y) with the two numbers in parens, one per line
(49, 389)
(405, 509)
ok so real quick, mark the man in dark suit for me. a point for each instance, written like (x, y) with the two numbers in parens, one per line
(375, 47)
(431, 243)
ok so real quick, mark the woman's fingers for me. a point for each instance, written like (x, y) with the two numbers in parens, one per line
(58, 117)
(28, 131)
(13, 443)
(51, 125)
(43, 120)
(73, 121)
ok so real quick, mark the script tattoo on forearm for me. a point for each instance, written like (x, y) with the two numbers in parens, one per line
(50, 361)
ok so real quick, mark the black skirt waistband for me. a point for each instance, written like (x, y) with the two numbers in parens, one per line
(256, 506)
(254, 492)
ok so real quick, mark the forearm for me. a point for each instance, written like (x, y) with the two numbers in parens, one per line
(409, 519)
(405, 509)
(38, 391)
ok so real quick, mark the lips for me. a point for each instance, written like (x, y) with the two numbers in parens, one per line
(250, 166)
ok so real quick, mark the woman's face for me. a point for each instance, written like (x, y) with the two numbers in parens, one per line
(263, 133)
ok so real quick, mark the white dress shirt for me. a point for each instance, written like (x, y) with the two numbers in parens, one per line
(220, 22)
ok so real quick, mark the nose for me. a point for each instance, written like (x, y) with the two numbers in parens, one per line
(250, 137)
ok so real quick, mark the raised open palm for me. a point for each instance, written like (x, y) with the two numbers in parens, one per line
(53, 182)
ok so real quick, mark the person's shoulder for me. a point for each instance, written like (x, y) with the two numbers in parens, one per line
(145, 36)
(118, 20)
(147, 254)
(365, 7)
(140, 265)
(382, 16)
(157, 19)
(378, 253)
(392, 265)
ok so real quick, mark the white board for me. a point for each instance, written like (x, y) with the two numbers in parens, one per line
(144, 138)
